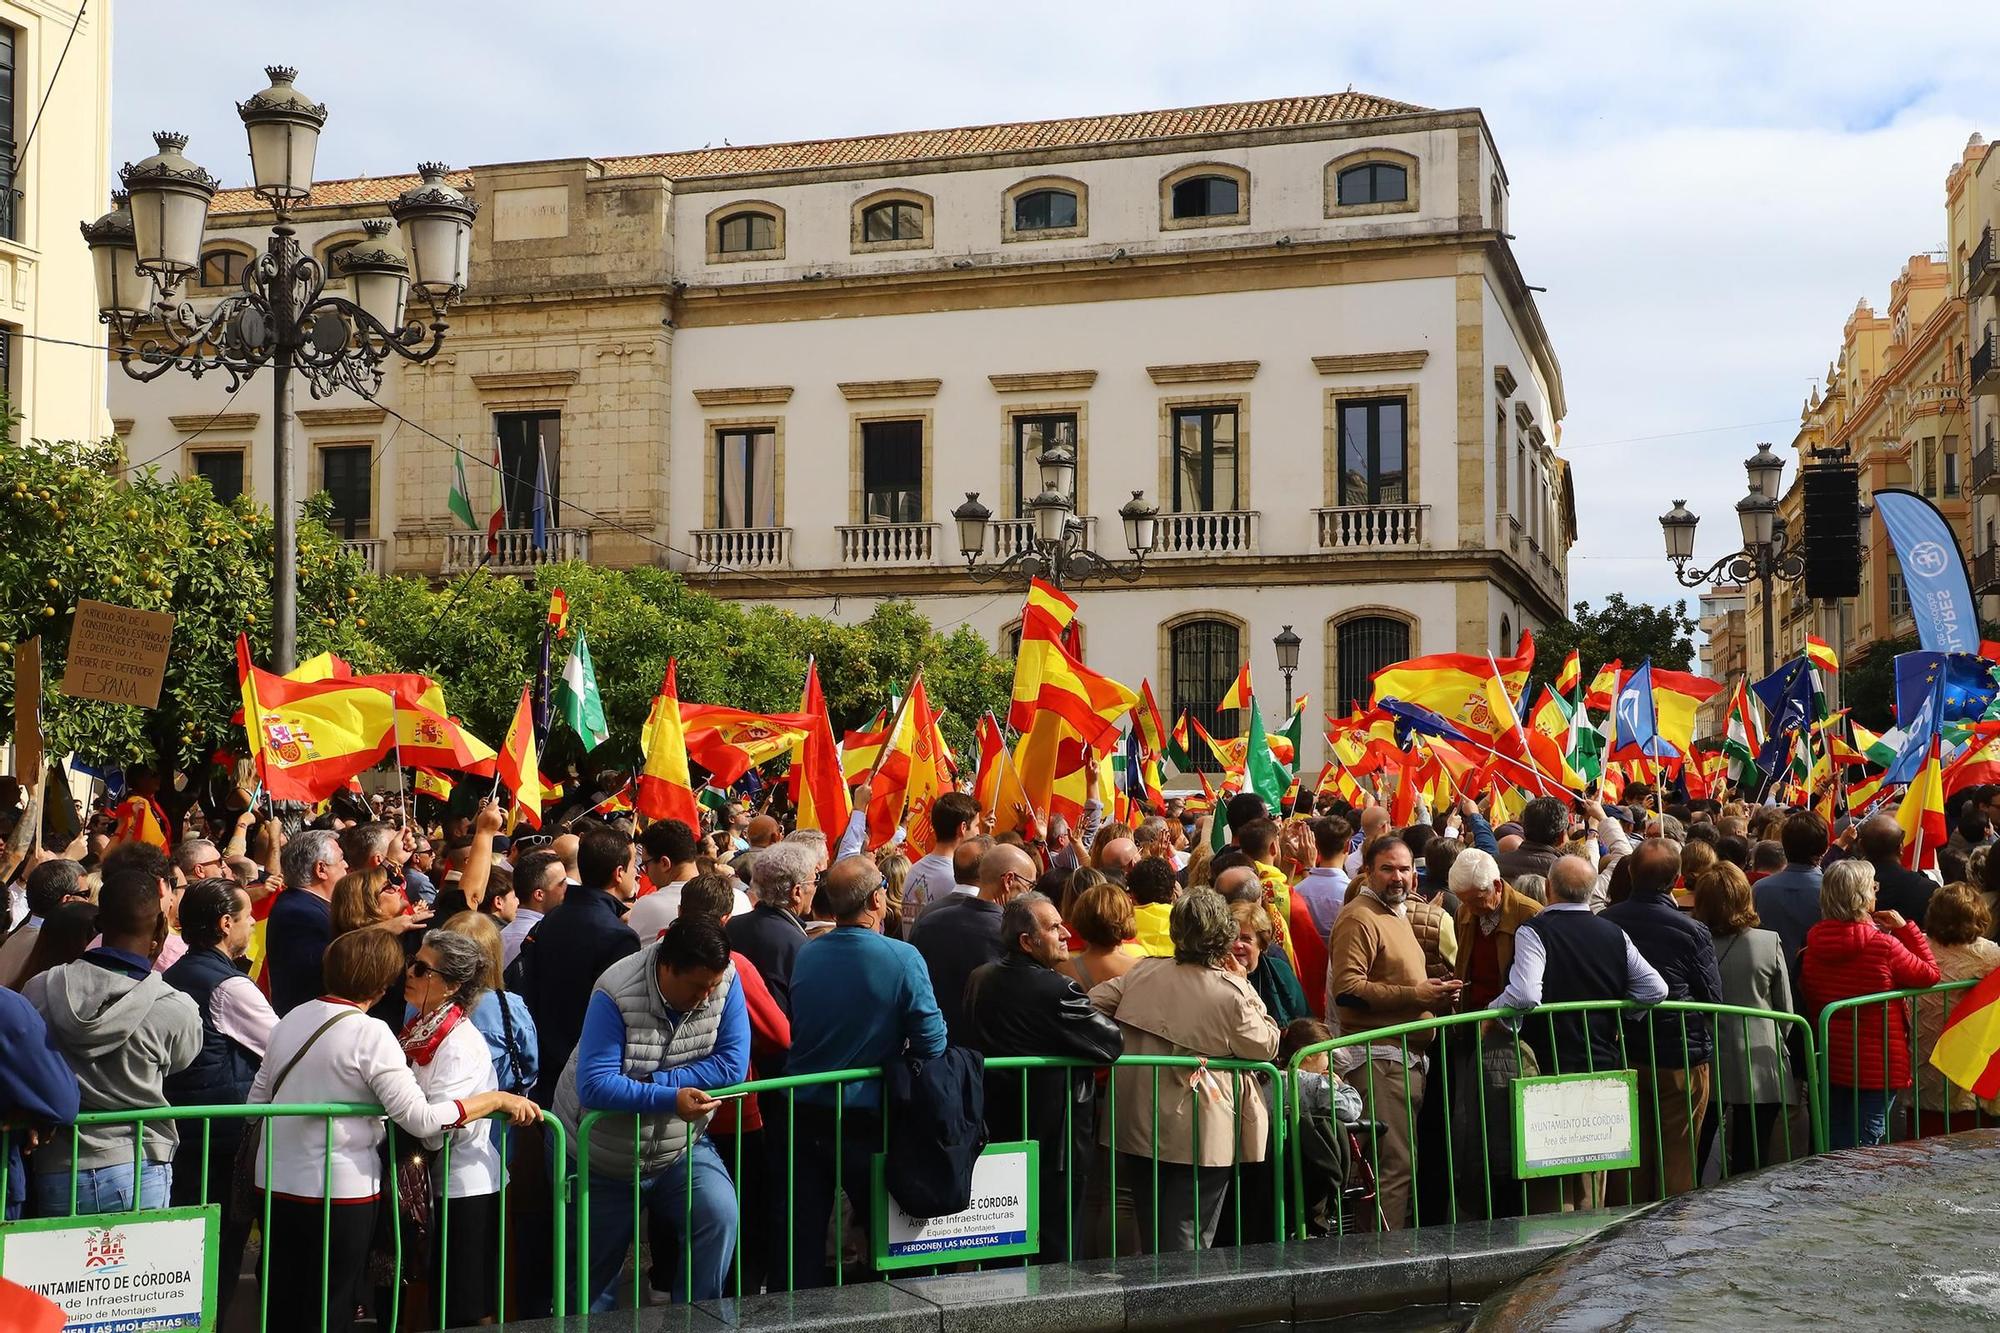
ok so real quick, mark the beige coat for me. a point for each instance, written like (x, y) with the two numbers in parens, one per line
(1170, 1008)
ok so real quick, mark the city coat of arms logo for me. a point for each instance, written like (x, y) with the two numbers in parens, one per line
(104, 1250)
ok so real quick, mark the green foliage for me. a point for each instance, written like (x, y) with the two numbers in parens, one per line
(1868, 681)
(1624, 631)
(76, 527)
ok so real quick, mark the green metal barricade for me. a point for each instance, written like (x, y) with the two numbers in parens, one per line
(1844, 1024)
(328, 1112)
(1247, 1079)
(1486, 1049)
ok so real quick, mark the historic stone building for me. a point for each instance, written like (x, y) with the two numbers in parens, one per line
(1296, 325)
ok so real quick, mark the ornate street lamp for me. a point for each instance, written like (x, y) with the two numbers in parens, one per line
(1766, 555)
(143, 250)
(1287, 644)
(1057, 549)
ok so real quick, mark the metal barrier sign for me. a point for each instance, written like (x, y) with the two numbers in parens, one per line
(1003, 1219)
(1566, 1124)
(120, 1272)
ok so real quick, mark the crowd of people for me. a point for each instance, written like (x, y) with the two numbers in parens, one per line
(614, 980)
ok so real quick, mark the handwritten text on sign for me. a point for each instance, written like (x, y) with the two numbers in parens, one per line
(1576, 1122)
(117, 654)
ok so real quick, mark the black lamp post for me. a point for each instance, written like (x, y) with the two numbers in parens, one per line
(150, 243)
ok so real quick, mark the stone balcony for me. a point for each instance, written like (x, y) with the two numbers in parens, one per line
(1373, 527)
(890, 544)
(743, 548)
(516, 551)
(372, 550)
(1221, 532)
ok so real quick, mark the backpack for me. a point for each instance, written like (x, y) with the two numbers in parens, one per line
(937, 1110)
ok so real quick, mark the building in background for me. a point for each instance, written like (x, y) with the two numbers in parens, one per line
(54, 173)
(1975, 220)
(1297, 325)
(1895, 398)
(1724, 653)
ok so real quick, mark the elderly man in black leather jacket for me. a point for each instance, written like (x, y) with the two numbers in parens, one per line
(1021, 1005)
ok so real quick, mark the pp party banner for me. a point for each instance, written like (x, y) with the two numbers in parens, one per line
(1933, 572)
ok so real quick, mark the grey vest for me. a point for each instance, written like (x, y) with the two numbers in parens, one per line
(651, 1043)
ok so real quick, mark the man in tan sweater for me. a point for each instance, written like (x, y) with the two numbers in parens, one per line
(1375, 978)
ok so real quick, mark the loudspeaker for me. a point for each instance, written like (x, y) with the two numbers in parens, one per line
(1833, 530)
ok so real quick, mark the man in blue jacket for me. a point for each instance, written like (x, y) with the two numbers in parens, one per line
(37, 1089)
(859, 1001)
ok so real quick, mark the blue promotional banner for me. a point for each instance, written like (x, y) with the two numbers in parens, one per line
(1933, 572)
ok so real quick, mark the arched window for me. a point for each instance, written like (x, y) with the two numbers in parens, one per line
(1372, 183)
(1204, 657)
(1506, 630)
(1205, 197)
(1363, 645)
(896, 220)
(1045, 210)
(745, 232)
(1499, 202)
(223, 267)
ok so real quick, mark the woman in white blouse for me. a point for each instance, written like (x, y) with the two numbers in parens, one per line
(450, 1059)
(330, 1050)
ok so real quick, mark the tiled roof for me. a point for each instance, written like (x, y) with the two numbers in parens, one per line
(1021, 136)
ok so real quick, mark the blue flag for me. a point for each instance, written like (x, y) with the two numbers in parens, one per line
(1638, 724)
(1962, 683)
(1415, 718)
(1933, 572)
(1787, 696)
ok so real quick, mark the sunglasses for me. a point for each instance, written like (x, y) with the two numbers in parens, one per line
(420, 969)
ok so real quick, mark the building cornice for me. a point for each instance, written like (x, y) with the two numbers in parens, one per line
(1370, 363)
(749, 396)
(855, 391)
(1204, 372)
(341, 416)
(198, 423)
(508, 381)
(1043, 381)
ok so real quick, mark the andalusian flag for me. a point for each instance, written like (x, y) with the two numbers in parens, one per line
(1876, 748)
(1968, 1050)
(520, 762)
(1238, 693)
(1571, 674)
(576, 696)
(1820, 653)
(1744, 739)
(460, 501)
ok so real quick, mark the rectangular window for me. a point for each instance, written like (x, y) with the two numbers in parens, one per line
(1374, 460)
(1930, 467)
(892, 471)
(1031, 436)
(747, 478)
(343, 475)
(10, 204)
(222, 469)
(1951, 466)
(1205, 460)
(1500, 460)
(530, 445)
(1899, 594)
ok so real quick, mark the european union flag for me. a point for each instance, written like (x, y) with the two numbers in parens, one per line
(1420, 720)
(1788, 696)
(1961, 682)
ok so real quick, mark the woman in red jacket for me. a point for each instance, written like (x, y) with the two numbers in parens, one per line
(1855, 950)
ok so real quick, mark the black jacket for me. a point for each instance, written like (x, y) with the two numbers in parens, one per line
(957, 937)
(1682, 952)
(770, 937)
(560, 962)
(1900, 890)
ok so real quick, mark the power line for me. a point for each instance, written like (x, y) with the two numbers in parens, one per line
(54, 74)
(1674, 434)
(185, 440)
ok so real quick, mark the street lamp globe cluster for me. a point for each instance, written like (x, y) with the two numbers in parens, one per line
(1766, 555)
(150, 243)
(1057, 551)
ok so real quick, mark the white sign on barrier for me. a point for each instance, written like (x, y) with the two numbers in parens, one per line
(1003, 1218)
(121, 1272)
(1571, 1123)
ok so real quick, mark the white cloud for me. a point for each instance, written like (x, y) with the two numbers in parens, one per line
(1705, 189)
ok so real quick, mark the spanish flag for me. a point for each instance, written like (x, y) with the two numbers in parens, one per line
(666, 789)
(1453, 685)
(1820, 653)
(817, 785)
(308, 738)
(1047, 678)
(427, 736)
(520, 764)
(729, 742)
(1146, 715)
(1604, 686)
(1238, 693)
(926, 779)
(1968, 1050)
(558, 613)
(139, 820)
(434, 785)
(1571, 674)
(1922, 814)
(617, 803)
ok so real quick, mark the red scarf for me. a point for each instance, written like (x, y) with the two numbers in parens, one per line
(426, 1032)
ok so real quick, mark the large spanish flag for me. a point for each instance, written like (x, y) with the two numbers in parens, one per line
(427, 736)
(1968, 1050)
(520, 764)
(926, 779)
(666, 789)
(1047, 678)
(729, 742)
(307, 738)
(1453, 685)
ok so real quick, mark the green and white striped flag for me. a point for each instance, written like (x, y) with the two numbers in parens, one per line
(460, 502)
(1742, 742)
(577, 699)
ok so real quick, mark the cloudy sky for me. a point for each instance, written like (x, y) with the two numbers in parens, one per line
(1706, 190)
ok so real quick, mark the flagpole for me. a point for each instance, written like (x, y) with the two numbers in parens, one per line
(895, 728)
(402, 795)
(1514, 712)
